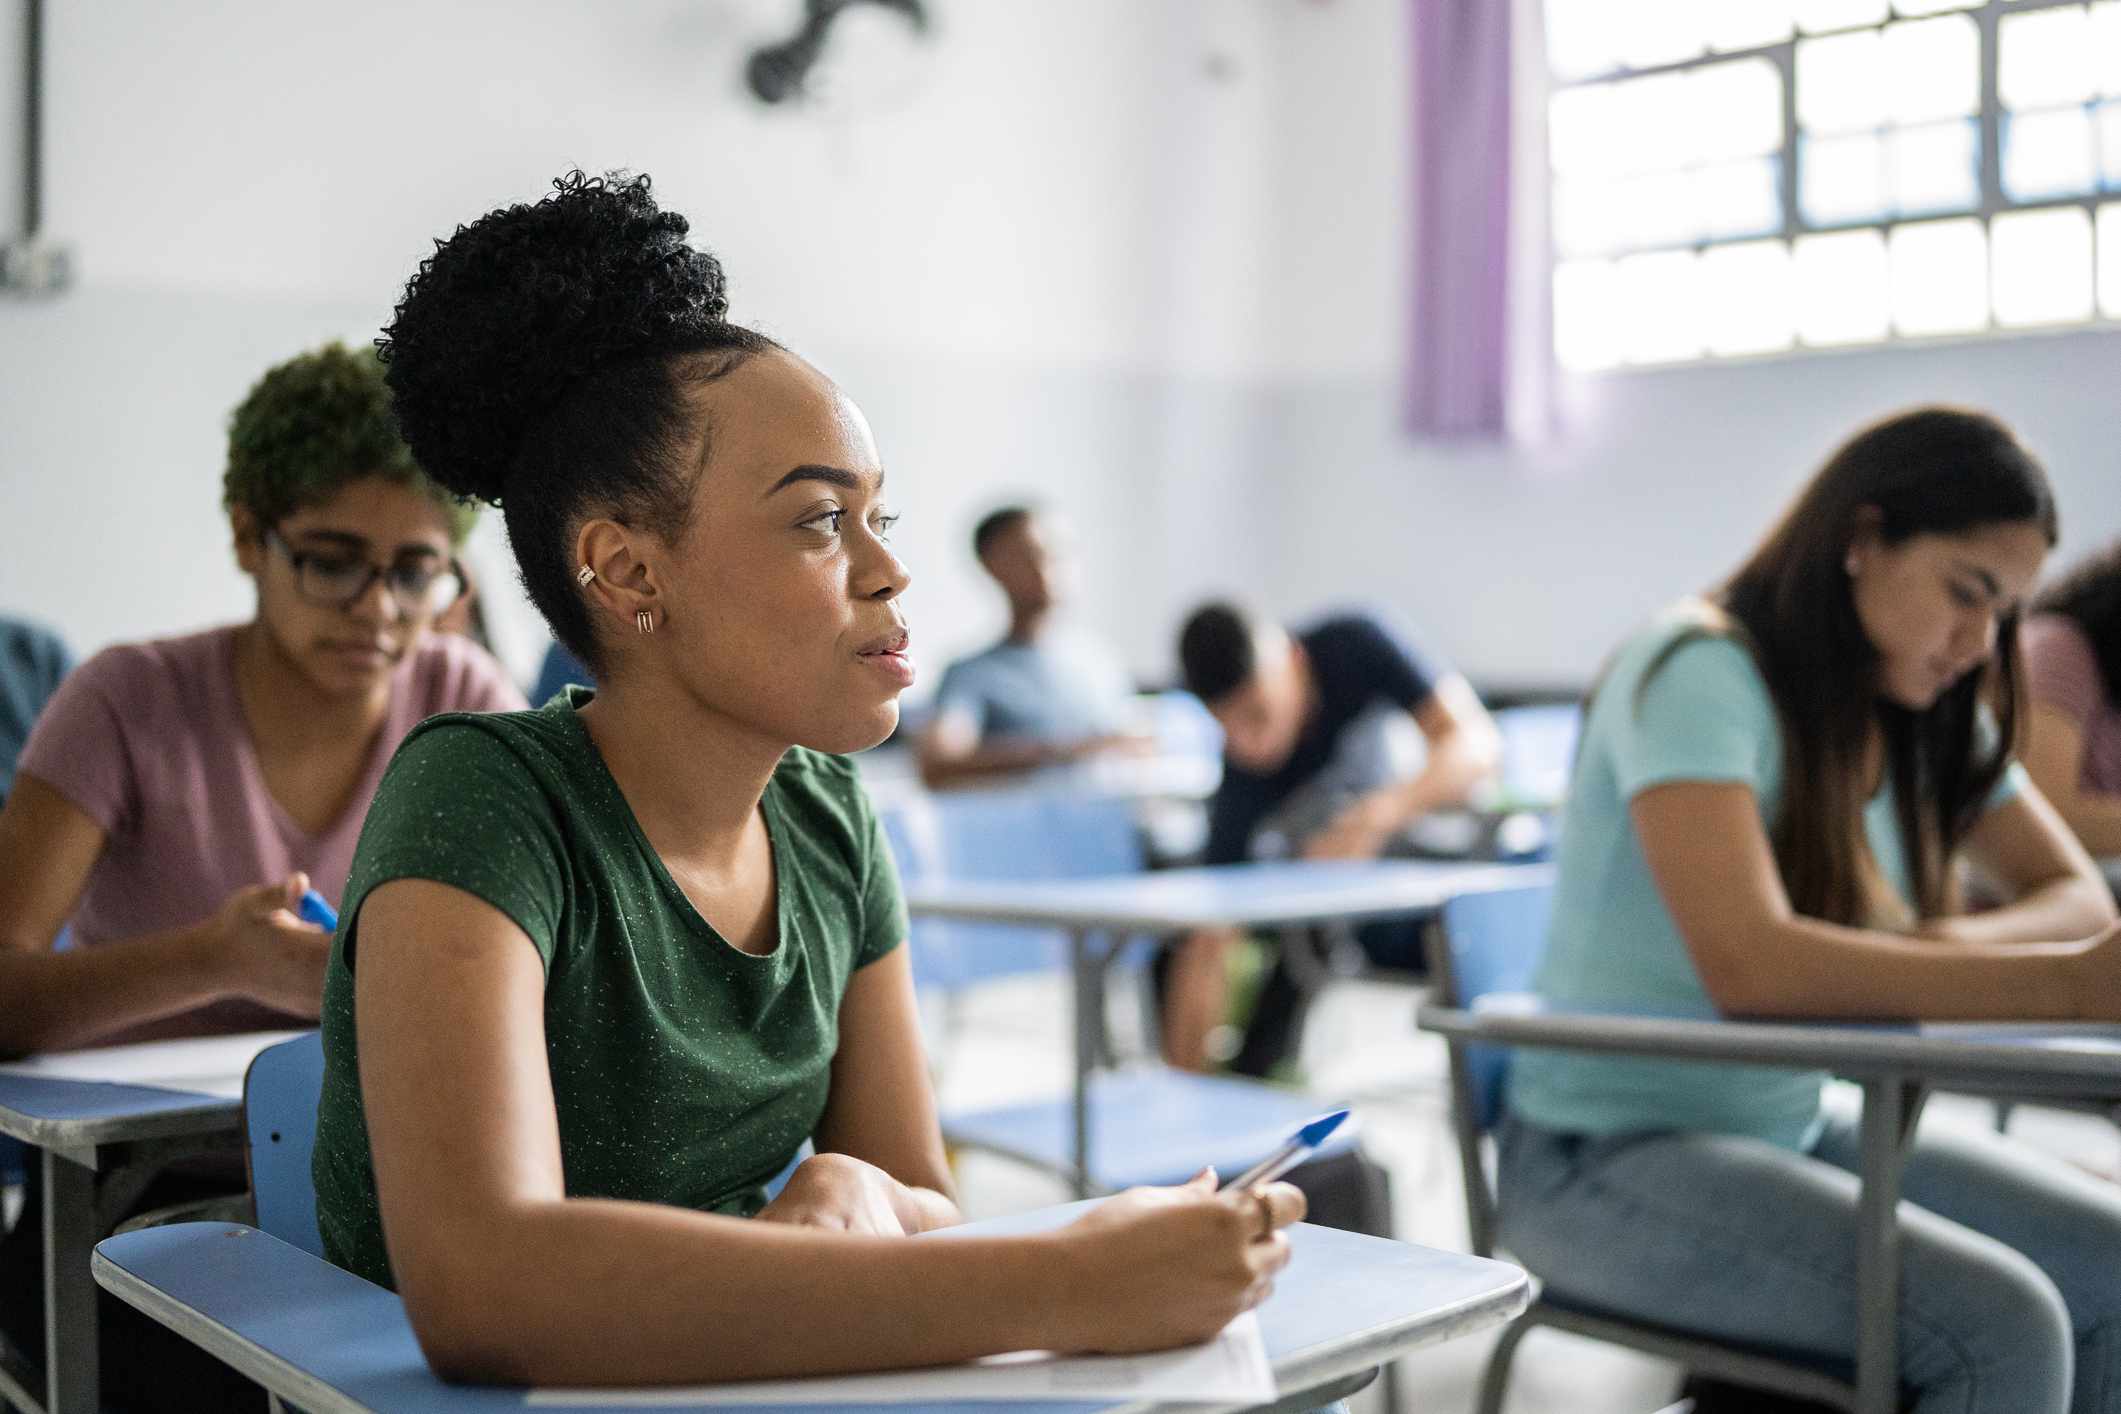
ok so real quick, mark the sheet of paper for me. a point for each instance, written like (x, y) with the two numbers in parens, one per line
(208, 1065)
(1230, 1368)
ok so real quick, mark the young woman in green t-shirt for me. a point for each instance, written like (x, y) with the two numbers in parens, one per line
(605, 966)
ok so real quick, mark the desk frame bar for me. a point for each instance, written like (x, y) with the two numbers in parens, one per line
(1089, 1002)
(73, 1375)
(1891, 1106)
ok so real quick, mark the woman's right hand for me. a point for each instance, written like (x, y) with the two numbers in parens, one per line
(266, 952)
(1161, 1267)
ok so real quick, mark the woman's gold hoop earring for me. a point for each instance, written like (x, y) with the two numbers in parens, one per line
(644, 621)
(584, 575)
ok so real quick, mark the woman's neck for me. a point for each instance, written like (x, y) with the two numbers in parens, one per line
(692, 776)
(286, 711)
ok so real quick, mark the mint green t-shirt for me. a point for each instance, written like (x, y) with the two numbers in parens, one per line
(1705, 715)
(684, 1071)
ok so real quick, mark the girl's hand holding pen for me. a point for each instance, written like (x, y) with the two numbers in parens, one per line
(266, 951)
(1159, 1267)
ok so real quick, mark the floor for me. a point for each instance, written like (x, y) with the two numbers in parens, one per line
(1011, 1042)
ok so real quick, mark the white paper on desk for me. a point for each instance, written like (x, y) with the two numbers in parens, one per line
(208, 1065)
(1232, 1367)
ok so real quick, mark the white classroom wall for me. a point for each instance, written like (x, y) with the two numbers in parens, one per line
(1144, 259)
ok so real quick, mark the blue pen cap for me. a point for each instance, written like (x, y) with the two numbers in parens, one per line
(313, 909)
(1314, 1133)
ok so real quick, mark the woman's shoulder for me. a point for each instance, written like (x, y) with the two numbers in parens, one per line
(148, 680)
(1690, 643)
(2053, 635)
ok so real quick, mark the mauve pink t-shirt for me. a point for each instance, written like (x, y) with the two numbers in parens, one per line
(2062, 672)
(150, 742)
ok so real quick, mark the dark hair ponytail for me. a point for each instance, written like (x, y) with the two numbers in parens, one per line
(539, 359)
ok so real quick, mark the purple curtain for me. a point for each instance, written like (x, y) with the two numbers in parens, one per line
(1459, 365)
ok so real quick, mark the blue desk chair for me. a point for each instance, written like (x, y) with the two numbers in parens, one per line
(1149, 1124)
(280, 1131)
(1484, 944)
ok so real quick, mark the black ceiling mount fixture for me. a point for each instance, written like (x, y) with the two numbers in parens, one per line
(777, 72)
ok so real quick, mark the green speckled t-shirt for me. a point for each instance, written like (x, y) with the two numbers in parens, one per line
(684, 1071)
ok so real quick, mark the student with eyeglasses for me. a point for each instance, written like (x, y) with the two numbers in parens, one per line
(177, 796)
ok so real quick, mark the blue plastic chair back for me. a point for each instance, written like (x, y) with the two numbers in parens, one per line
(1004, 835)
(560, 669)
(280, 1121)
(1538, 751)
(1493, 943)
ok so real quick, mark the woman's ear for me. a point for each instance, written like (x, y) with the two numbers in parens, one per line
(614, 572)
(1865, 537)
(249, 539)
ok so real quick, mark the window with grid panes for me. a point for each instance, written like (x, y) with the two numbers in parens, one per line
(1735, 177)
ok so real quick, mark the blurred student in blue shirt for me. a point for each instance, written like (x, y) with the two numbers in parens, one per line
(1047, 694)
(1309, 771)
(32, 660)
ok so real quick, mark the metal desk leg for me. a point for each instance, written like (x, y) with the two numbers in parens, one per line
(71, 1369)
(1891, 1106)
(1088, 995)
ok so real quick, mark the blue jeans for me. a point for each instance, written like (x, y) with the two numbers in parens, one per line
(2010, 1285)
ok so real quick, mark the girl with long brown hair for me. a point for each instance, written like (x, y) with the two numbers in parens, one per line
(1776, 789)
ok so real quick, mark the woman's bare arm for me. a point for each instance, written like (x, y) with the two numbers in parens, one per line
(1716, 872)
(882, 1107)
(506, 1278)
(59, 999)
(2054, 888)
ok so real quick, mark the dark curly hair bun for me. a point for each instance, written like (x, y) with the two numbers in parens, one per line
(524, 304)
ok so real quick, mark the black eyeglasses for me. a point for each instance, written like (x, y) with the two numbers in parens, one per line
(335, 579)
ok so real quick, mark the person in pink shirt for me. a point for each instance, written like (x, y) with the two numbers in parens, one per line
(177, 796)
(2072, 650)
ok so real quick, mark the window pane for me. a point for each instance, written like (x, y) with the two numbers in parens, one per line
(1739, 198)
(2110, 260)
(1745, 24)
(2106, 46)
(1583, 130)
(2040, 263)
(1652, 32)
(2044, 58)
(2048, 154)
(1647, 126)
(1934, 168)
(1940, 277)
(2108, 127)
(1841, 287)
(1580, 38)
(1819, 16)
(1658, 209)
(1746, 298)
(1932, 69)
(1737, 109)
(1837, 82)
(1842, 179)
(1590, 217)
(1662, 292)
(1588, 314)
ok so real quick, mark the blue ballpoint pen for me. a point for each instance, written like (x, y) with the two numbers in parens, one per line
(313, 909)
(1298, 1148)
